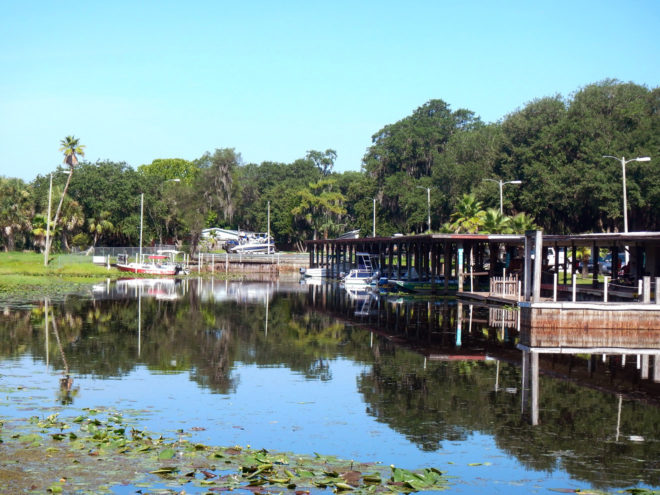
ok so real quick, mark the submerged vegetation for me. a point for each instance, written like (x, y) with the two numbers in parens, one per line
(77, 448)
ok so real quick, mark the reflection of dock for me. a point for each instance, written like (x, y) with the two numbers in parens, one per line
(611, 346)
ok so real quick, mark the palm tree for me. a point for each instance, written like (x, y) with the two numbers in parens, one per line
(71, 148)
(522, 222)
(100, 225)
(496, 223)
(468, 215)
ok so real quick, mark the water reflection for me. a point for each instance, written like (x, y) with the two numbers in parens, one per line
(418, 377)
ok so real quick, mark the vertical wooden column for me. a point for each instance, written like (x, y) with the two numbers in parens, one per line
(538, 249)
(391, 258)
(594, 257)
(408, 260)
(447, 262)
(459, 264)
(527, 273)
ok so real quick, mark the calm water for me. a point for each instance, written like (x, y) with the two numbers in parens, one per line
(299, 368)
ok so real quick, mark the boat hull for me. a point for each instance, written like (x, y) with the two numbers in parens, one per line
(147, 269)
(421, 287)
(316, 272)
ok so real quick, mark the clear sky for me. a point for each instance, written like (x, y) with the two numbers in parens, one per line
(141, 80)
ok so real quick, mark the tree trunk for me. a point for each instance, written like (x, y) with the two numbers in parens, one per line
(59, 208)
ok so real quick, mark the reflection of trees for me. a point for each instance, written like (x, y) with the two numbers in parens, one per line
(447, 401)
(100, 338)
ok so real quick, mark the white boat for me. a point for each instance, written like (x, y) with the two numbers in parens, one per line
(157, 265)
(317, 272)
(353, 234)
(254, 243)
(358, 277)
(221, 234)
(364, 274)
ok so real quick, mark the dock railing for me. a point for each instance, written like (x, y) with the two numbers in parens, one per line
(505, 286)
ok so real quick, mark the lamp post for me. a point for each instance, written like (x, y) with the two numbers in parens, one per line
(373, 233)
(428, 207)
(502, 183)
(624, 162)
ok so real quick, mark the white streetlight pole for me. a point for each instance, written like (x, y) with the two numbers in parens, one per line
(624, 162)
(501, 184)
(428, 207)
(268, 231)
(141, 222)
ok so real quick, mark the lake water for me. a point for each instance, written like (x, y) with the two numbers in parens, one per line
(313, 368)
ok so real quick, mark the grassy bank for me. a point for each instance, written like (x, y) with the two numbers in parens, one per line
(25, 279)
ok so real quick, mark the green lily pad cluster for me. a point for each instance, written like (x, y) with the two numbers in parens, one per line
(94, 453)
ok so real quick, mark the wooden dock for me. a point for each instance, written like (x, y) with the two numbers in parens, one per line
(503, 269)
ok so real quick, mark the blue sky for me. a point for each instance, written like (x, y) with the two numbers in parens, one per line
(136, 81)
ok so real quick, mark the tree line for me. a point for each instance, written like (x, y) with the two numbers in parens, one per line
(436, 163)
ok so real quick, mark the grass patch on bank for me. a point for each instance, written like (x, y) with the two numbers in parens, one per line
(61, 265)
(24, 279)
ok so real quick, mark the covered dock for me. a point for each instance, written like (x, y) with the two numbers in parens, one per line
(500, 264)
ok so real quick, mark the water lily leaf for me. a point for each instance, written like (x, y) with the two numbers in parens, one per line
(343, 486)
(167, 454)
(165, 470)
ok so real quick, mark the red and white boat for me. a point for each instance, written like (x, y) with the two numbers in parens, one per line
(157, 265)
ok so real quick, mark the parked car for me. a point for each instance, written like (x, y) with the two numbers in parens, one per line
(605, 266)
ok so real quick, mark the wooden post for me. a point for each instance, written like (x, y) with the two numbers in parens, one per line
(647, 290)
(605, 280)
(538, 247)
(554, 285)
(657, 290)
(459, 266)
(527, 273)
(574, 286)
(594, 257)
(447, 263)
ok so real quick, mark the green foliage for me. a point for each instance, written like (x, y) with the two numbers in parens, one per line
(554, 145)
(163, 169)
(493, 222)
(81, 240)
(321, 207)
(16, 211)
(468, 216)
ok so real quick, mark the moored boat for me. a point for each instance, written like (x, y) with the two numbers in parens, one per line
(257, 243)
(157, 265)
(317, 272)
(360, 277)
